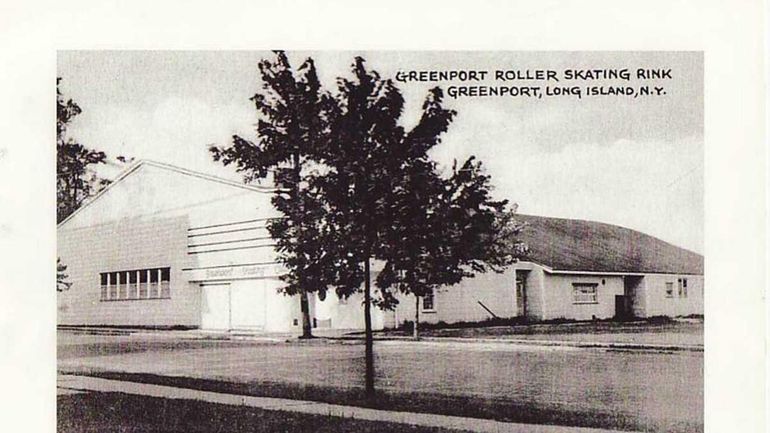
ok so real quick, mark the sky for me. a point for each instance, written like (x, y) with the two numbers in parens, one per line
(634, 162)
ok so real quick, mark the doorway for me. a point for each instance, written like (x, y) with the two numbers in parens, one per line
(621, 309)
(215, 306)
(521, 294)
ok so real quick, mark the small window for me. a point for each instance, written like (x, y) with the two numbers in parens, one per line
(669, 289)
(154, 292)
(143, 277)
(683, 288)
(113, 286)
(428, 302)
(585, 293)
(104, 277)
(132, 285)
(165, 287)
(123, 287)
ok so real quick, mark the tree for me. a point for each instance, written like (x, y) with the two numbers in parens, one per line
(75, 177)
(386, 201)
(363, 156)
(61, 278)
(291, 131)
(449, 229)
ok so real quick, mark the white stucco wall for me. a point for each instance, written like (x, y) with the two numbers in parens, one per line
(151, 192)
(142, 222)
(347, 314)
(559, 297)
(126, 245)
(460, 303)
(658, 304)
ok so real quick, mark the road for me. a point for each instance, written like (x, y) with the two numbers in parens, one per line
(647, 385)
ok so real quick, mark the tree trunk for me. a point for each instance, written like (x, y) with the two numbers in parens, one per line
(304, 305)
(415, 333)
(369, 339)
(307, 330)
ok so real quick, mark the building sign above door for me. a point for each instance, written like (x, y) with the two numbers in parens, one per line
(234, 272)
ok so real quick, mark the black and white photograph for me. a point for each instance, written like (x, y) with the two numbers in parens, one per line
(344, 216)
(424, 241)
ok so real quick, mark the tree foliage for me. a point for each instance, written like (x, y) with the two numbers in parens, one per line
(291, 133)
(61, 278)
(353, 186)
(386, 200)
(75, 178)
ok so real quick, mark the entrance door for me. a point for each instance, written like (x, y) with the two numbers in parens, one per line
(215, 306)
(620, 307)
(248, 304)
(521, 297)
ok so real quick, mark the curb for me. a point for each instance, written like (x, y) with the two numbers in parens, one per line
(580, 344)
(549, 343)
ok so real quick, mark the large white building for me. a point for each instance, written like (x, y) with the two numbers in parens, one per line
(167, 247)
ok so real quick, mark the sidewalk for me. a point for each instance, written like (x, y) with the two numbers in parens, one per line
(72, 383)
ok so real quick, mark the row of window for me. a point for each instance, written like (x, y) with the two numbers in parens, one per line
(586, 293)
(152, 283)
(681, 284)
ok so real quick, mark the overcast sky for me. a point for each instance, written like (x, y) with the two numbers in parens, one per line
(632, 162)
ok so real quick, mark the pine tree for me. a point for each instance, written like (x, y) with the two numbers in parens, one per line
(76, 180)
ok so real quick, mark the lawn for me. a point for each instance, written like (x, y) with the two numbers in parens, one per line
(505, 382)
(485, 408)
(660, 331)
(115, 412)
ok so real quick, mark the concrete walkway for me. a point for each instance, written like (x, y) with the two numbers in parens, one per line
(72, 383)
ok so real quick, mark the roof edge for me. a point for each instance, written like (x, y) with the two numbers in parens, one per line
(135, 166)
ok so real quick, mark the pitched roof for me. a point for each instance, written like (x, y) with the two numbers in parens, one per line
(183, 171)
(578, 245)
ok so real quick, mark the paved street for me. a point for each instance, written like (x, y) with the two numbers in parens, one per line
(666, 387)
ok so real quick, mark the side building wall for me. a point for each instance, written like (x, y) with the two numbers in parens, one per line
(560, 301)
(463, 302)
(121, 246)
(658, 303)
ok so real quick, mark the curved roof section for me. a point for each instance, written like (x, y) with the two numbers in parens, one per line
(579, 245)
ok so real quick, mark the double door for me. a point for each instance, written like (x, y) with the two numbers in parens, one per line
(233, 305)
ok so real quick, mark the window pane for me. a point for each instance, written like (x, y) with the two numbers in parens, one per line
(154, 289)
(103, 289)
(123, 287)
(113, 285)
(670, 290)
(584, 293)
(427, 301)
(133, 289)
(165, 274)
